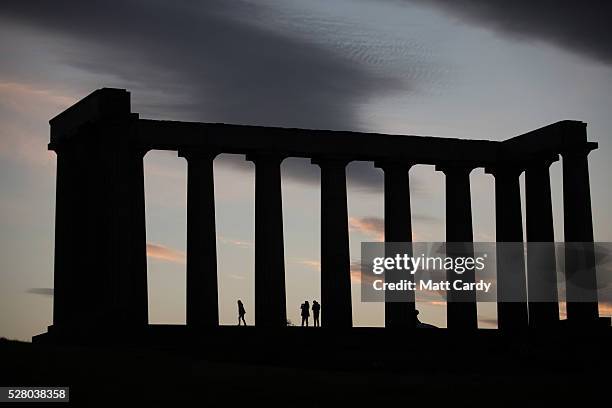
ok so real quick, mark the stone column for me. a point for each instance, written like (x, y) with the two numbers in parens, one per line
(137, 297)
(336, 306)
(101, 265)
(580, 273)
(101, 260)
(461, 305)
(511, 281)
(65, 290)
(116, 226)
(270, 300)
(398, 228)
(202, 287)
(541, 261)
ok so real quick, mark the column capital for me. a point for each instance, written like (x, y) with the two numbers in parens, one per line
(57, 147)
(505, 169)
(140, 150)
(85, 146)
(580, 150)
(544, 159)
(387, 165)
(330, 161)
(197, 153)
(456, 168)
(269, 157)
(67, 144)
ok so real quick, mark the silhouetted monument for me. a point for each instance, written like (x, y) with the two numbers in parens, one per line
(100, 244)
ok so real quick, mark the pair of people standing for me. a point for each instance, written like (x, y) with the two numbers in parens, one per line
(316, 309)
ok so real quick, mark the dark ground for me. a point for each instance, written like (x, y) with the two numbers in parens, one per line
(313, 367)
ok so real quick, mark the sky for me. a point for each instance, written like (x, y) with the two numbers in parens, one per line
(467, 68)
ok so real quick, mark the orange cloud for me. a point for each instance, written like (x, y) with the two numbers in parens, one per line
(25, 111)
(434, 303)
(371, 226)
(605, 309)
(355, 267)
(356, 272)
(163, 253)
(21, 92)
(167, 254)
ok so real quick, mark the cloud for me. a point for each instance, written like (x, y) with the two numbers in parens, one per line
(164, 253)
(24, 112)
(372, 226)
(217, 61)
(315, 265)
(582, 27)
(605, 308)
(167, 254)
(235, 242)
(206, 62)
(375, 226)
(355, 269)
(434, 303)
(40, 291)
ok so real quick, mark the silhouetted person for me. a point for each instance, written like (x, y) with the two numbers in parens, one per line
(241, 313)
(316, 308)
(305, 312)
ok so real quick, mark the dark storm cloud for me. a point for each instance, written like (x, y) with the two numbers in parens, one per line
(582, 27)
(207, 61)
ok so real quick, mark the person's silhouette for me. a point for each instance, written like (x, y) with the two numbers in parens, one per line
(305, 312)
(316, 308)
(241, 313)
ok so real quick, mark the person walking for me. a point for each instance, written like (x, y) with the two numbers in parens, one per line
(241, 312)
